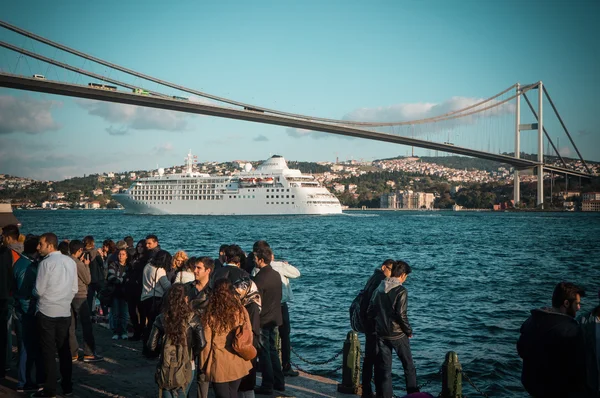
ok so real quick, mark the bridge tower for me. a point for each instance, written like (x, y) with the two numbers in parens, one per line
(539, 126)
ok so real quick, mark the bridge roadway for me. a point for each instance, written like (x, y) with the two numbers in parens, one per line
(81, 91)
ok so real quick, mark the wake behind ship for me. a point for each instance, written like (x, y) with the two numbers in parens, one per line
(270, 189)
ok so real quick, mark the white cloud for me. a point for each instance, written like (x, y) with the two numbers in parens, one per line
(136, 117)
(163, 148)
(260, 138)
(300, 133)
(26, 115)
(117, 130)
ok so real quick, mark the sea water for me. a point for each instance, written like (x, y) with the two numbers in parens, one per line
(475, 275)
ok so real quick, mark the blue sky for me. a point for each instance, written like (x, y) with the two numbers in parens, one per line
(395, 60)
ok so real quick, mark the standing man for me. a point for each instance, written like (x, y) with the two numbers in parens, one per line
(6, 286)
(551, 345)
(80, 309)
(388, 310)
(152, 245)
(372, 284)
(590, 323)
(55, 287)
(268, 282)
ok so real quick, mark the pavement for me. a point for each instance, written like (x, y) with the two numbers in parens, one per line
(126, 373)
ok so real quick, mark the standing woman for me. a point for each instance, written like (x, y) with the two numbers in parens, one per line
(179, 324)
(116, 275)
(133, 287)
(179, 260)
(248, 292)
(223, 315)
(154, 286)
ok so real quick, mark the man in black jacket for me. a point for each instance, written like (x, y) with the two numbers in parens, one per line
(268, 282)
(370, 336)
(552, 346)
(387, 310)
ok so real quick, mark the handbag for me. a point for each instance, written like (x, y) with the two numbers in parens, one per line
(242, 342)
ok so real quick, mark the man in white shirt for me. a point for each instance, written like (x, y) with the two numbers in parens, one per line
(55, 287)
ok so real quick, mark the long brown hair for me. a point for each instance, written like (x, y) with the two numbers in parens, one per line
(176, 312)
(224, 308)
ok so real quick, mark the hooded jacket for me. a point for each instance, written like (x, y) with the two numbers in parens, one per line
(370, 287)
(388, 309)
(551, 345)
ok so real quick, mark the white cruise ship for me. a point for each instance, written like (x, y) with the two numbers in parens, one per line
(270, 189)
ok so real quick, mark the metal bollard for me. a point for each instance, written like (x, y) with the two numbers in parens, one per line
(451, 376)
(351, 365)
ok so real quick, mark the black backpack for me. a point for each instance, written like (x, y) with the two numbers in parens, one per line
(356, 321)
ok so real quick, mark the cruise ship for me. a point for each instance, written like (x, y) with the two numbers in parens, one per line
(270, 189)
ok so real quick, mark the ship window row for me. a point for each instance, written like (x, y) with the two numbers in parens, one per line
(241, 196)
(279, 203)
(277, 196)
(174, 185)
(277, 190)
(179, 197)
(182, 192)
(320, 202)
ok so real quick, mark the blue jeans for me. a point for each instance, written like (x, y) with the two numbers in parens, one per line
(181, 393)
(29, 353)
(270, 366)
(383, 366)
(120, 315)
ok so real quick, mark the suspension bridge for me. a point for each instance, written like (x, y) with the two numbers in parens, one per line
(489, 128)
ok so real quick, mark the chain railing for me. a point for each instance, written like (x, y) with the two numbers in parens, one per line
(473, 384)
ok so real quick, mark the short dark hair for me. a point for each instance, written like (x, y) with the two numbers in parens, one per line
(234, 254)
(50, 238)
(75, 245)
(399, 268)
(154, 237)
(11, 230)
(30, 244)
(129, 240)
(208, 262)
(112, 247)
(63, 247)
(566, 291)
(259, 244)
(88, 241)
(388, 262)
(222, 248)
(265, 254)
(162, 259)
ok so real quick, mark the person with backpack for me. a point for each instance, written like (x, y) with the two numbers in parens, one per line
(177, 333)
(222, 319)
(374, 281)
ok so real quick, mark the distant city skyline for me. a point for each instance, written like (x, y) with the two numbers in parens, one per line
(337, 59)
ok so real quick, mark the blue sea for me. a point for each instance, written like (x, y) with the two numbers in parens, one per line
(475, 275)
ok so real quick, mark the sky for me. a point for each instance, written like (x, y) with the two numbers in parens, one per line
(357, 60)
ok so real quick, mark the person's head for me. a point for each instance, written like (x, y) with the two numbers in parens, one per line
(48, 243)
(129, 241)
(121, 245)
(76, 248)
(63, 247)
(400, 270)
(386, 267)
(30, 244)
(224, 308)
(203, 267)
(242, 286)
(140, 248)
(234, 255)
(151, 242)
(176, 312)
(108, 246)
(179, 259)
(162, 260)
(263, 257)
(88, 242)
(259, 244)
(122, 256)
(10, 234)
(566, 298)
(222, 251)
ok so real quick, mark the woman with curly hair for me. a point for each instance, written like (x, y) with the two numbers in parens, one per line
(180, 326)
(223, 315)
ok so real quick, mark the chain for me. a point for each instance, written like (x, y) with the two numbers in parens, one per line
(312, 373)
(473, 384)
(317, 362)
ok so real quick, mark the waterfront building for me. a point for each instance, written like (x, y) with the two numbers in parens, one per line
(407, 200)
(590, 201)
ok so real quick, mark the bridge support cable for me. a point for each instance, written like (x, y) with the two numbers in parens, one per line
(545, 132)
(72, 68)
(540, 167)
(566, 131)
(516, 177)
(214, 97)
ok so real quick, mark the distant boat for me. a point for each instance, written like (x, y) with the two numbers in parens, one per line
(6, 215)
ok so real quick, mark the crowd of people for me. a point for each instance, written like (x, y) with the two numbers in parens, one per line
(214, 322)
(207, 321)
